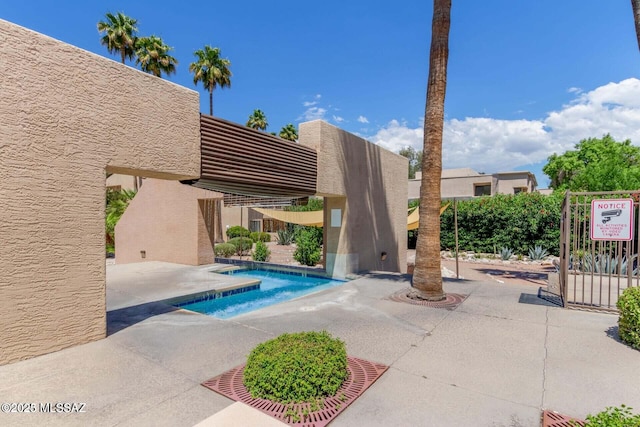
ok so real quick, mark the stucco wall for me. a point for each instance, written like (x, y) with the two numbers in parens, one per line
(166, 222)
(507, 183)
(369, 186)
(66, 115)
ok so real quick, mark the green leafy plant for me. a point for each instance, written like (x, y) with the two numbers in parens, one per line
(629, 321)
(307, 249)
(224, 250)
(116, 203)
(261, 253)
(237, 231)
(258, 236)
(506, 253)
(299, 367)
(537, 253)
(614, 417)
(242, 244)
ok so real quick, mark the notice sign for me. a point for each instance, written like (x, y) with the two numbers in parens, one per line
(612, 219)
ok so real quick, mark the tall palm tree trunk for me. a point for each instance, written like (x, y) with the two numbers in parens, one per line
(211, 102)
(427, 275)
(635, 5)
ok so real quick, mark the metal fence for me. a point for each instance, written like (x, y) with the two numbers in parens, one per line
(593, 272)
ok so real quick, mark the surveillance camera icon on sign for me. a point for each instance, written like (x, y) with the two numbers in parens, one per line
(607, 215)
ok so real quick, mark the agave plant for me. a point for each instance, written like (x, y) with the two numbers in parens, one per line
(506, 253)
(537, 253)
(284, 237)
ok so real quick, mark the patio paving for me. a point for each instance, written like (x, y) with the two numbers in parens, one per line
(491, 362)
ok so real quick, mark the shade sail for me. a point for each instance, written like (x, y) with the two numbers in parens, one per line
(314, 218)
(414, 217)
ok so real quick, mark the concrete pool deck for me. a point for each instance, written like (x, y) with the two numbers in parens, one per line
(491, 362)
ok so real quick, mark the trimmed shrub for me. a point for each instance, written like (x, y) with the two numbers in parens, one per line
(614, 417)
(300, 367)
(242, 244)
(224, 250)
(307, 249)
(237, 231)
(629, 320)
(258, 236)
(261, 252)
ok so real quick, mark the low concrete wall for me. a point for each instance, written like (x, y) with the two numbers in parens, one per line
(67, 115)
(365, 190)
(165, 222)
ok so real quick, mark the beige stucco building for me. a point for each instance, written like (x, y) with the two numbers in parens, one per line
(466, 183)
(69, 117)
(364, 197)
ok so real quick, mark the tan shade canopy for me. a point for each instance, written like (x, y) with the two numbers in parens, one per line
(414, 217)
(314, 218)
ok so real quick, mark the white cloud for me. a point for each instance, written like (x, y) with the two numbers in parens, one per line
(493, 145)
(313, 113)
(574, 90)
(309, 103)
(363, 119)
(338, 119)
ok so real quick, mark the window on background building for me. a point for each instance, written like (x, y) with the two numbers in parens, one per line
(482, 190)
(517, 190)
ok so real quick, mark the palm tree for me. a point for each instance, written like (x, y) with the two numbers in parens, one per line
(153, 57)
(289, 133)
(211, 70)
(257, 120)
(119, 34)
(427, 274)
(635, 5)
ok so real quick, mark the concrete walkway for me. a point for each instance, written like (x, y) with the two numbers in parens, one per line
(491, 362)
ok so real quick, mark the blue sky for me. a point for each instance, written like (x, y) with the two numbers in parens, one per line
(526, 79)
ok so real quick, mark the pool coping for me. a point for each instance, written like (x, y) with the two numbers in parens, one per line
(257, 265)
(240, 287)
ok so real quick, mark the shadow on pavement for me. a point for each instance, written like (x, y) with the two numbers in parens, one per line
(122, 318)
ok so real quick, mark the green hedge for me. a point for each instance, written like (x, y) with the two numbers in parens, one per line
(519, 222)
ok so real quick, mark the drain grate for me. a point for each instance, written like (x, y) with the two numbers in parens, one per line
(451, 302)
(553, 419)
(362, 374)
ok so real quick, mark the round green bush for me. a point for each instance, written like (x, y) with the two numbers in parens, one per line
(258, 236)
(629, 321)
(261, 253)
(237, 231)
(224, 250)
(293, 368)
(242, 244)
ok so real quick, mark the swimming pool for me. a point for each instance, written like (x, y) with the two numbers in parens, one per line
(275, 287)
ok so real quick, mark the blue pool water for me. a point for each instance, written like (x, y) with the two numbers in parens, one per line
(275, 287)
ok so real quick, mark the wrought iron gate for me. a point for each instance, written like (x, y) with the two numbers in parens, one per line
(593, 273)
